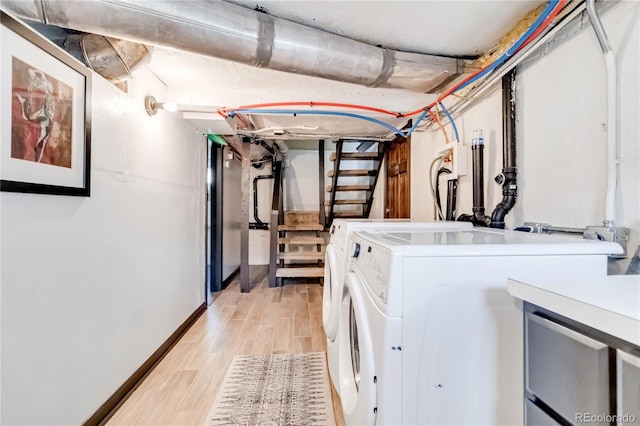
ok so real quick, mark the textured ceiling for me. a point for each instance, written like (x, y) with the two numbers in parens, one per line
(453, 28)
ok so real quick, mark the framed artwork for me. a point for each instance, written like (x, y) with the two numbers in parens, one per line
(45, 111)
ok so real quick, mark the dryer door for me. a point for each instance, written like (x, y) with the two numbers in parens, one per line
(357, 369)
(331, 293)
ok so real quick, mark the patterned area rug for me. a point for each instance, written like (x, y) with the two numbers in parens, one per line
(286, 389)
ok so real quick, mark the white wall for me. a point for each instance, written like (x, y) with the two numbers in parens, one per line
(301, 193)
(561, 134)
(301, 180)
(259, 239)
(485, 114)
(91, 287)
(231, 219)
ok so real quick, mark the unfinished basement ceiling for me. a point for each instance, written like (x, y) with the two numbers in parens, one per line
(450, 28)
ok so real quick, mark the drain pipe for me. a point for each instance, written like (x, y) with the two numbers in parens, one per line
(478, 217)
(284, 150)
(509, 169)
(612, 160)
(477, 151)
(258, 224)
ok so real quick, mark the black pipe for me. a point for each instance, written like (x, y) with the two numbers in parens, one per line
(255, 197)
(452, 194)
(265, 145)
(509, 169)
(477, 152)
(442, 171)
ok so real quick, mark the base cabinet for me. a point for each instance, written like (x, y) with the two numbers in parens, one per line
(577, 375)
(628, 388)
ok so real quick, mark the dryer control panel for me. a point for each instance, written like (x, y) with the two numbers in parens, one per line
(339, 238)
(373, 262)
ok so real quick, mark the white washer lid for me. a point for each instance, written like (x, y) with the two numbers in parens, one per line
(485, 242)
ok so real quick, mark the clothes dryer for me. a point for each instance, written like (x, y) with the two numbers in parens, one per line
(336, 260)
(428, 334)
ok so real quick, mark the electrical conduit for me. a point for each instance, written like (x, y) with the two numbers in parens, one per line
(612, 157)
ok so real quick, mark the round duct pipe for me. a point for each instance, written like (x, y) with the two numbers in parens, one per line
(114, 59)
(234, 33)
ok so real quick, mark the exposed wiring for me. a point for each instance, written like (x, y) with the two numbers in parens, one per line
(312, 104)
(332, 113)
(418, 120)
(453, 123)
(546, 17)
(513, 49)
(546, 22)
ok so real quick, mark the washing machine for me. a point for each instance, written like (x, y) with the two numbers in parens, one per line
(428, 334)
(336, 260)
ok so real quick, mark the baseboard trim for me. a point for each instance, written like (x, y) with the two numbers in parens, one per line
(227, 281)
(108, 409)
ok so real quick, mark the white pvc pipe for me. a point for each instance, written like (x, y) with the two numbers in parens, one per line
(612, 152)
(612, 113)
(284, 150)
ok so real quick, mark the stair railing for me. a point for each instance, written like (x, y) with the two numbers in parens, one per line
(334, 181)
(277, 218)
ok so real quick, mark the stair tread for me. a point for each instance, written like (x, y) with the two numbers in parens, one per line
(300, 272)
(356, 156)
(348, 214)
(301, 227)
(301, 240)
(352, 172)
(350, 188)
(361, 201)
(301, 255)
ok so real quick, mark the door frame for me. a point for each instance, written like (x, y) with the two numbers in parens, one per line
(386, 174)
(213, 281)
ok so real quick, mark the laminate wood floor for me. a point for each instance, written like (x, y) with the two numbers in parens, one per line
(183, 387)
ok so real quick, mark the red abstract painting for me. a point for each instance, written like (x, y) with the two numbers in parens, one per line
(41, 117)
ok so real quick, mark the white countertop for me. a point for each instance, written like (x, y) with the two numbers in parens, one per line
(610, 304)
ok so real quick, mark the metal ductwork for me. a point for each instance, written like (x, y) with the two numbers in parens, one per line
(114, 59)
(238, 34)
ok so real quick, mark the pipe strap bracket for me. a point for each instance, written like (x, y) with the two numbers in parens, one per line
(386, 70)
(266, 34)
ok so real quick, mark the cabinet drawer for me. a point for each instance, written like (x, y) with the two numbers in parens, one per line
(628, 389)
(534, 416)
(567, 370)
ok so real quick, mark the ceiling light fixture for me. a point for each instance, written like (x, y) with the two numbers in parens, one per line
(152, 106)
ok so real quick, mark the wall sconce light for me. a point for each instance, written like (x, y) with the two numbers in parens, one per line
(152, 106)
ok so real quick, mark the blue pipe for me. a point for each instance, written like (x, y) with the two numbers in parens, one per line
(333, 113)
(418, 120)
(453, 124)
(515, 46)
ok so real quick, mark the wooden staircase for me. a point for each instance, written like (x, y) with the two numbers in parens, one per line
(301, 245)
(354, 177)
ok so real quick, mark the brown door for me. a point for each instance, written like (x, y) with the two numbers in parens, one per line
(398, 194)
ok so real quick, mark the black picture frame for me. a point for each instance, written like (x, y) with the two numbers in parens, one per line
(45, 106)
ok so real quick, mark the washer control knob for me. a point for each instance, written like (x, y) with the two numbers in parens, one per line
(356, 250)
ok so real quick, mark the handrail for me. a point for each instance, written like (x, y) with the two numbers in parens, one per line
(276, 219)
(277, 185)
